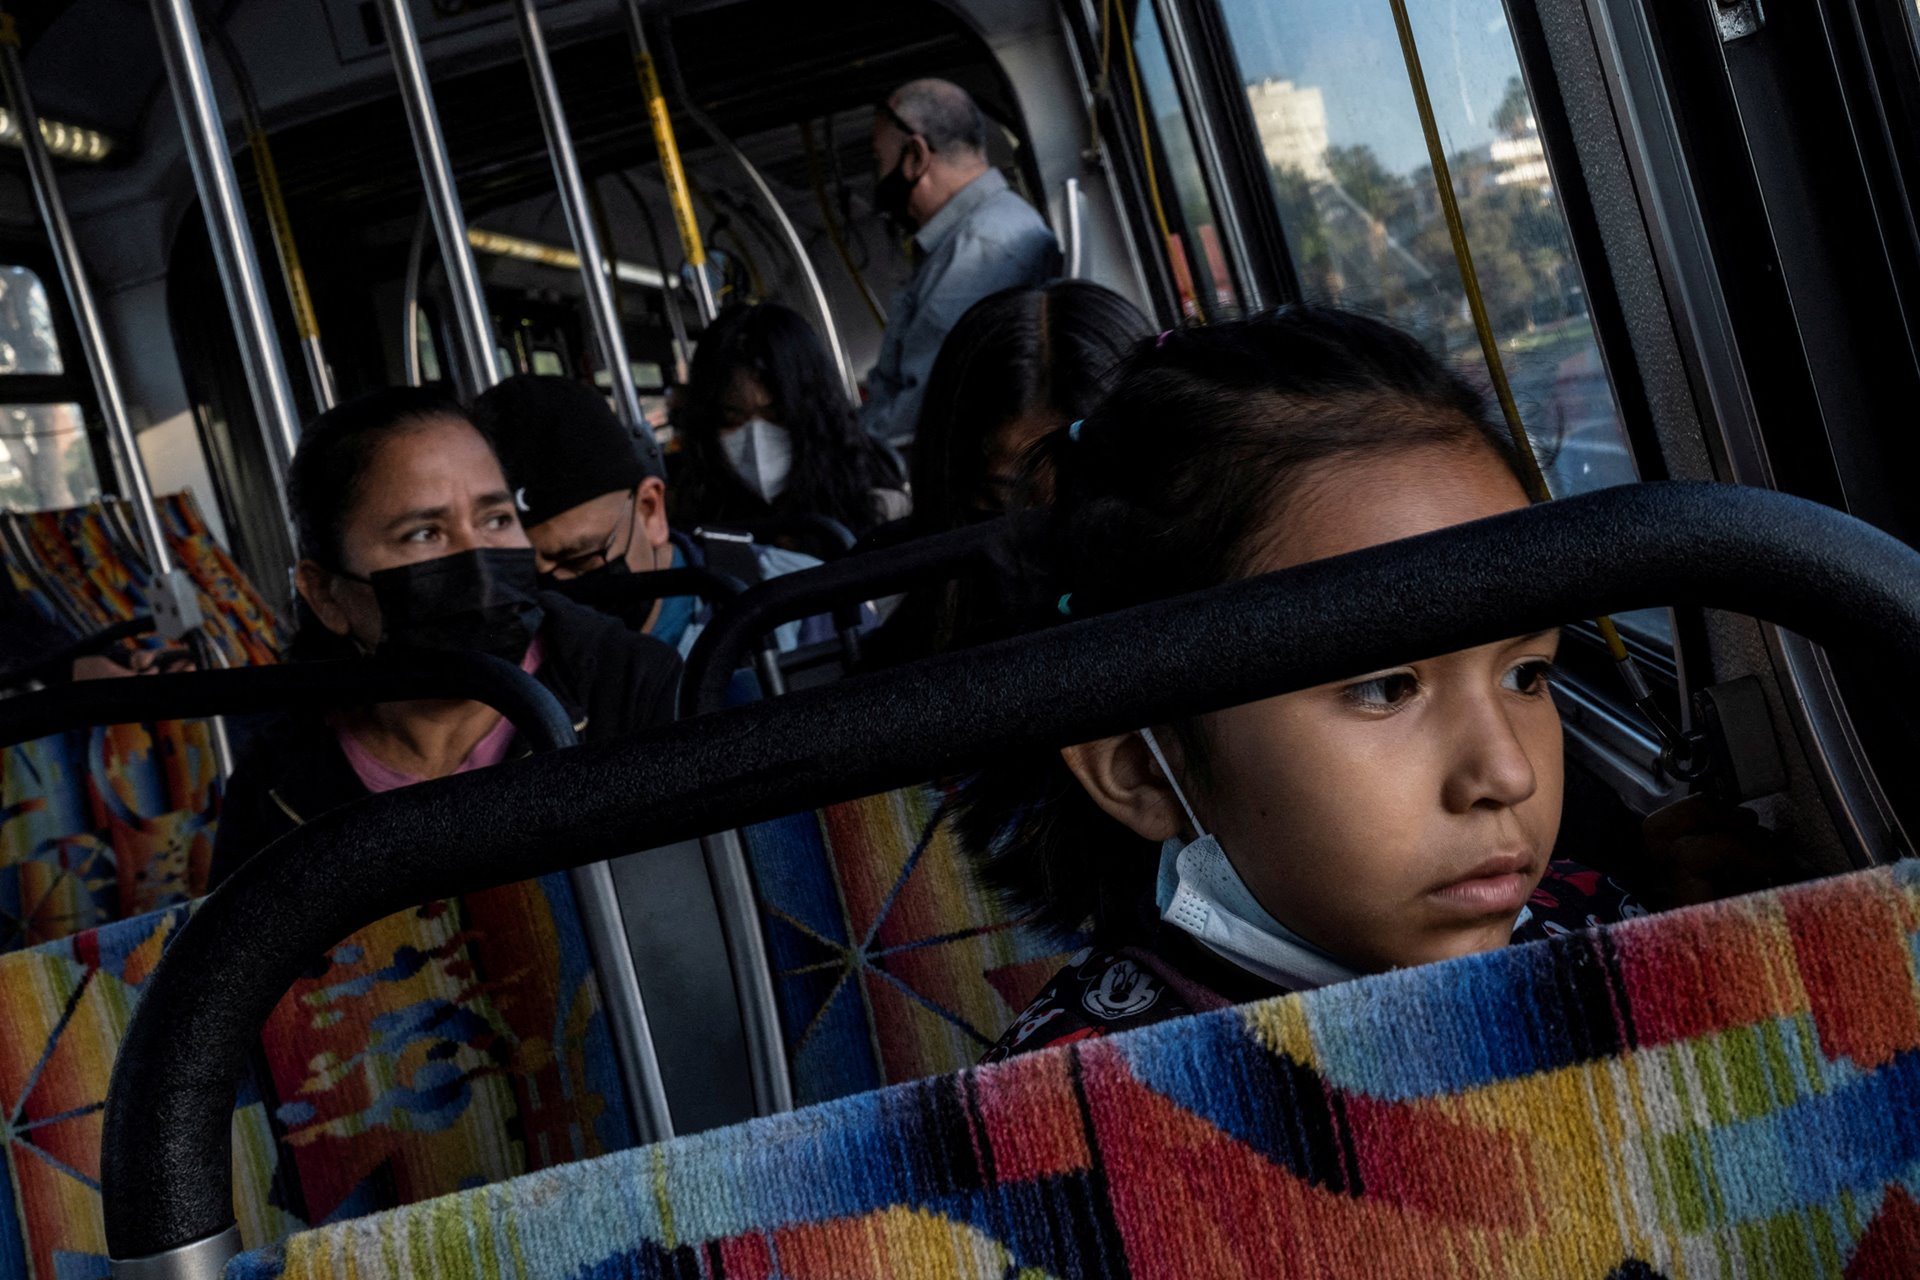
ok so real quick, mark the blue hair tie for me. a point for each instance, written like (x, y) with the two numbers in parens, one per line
(1066, 605)
(1073, 429)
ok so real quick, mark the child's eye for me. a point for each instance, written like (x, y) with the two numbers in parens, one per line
(1384, 692)
(1530, 677)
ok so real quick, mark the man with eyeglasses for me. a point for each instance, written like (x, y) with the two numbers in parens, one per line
(593, 498)
(973, 235)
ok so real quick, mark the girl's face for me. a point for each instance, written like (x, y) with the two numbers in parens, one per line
(1403, 816)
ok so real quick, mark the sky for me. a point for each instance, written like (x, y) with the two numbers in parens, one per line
(1349, 49)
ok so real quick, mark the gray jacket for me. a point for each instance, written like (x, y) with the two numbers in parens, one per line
(986, 239)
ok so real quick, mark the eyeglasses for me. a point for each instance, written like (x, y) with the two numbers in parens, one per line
(587, 562)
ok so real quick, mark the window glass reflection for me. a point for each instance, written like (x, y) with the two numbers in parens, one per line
(27, 340)
(45, 462)
(1355, 190)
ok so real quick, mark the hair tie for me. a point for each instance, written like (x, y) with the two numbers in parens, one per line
(1066, 605)
(1161, 341)
(1073, 429)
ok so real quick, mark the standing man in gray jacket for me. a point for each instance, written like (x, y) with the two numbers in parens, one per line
(972, 236)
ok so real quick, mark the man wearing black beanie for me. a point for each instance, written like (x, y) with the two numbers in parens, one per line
(593, 497)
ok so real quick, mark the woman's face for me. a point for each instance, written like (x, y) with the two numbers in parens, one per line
(430, 490)
(1403, 816)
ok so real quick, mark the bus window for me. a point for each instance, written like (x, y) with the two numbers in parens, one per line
(1355, 191)
(1191, 228)
(45, 459)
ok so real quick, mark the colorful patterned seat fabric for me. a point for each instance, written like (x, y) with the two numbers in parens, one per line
(891, 963)
(443, 1048)
(1729, 1090)
(111, 823)
(80, 564)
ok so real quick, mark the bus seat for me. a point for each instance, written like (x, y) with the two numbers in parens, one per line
(98, 825)
(82, 564)
(1720, 1090)
(117, 822)
(440, 1049)
(890, 962)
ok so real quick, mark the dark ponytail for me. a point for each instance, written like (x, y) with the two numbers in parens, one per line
(1172, 485)
(324, 483)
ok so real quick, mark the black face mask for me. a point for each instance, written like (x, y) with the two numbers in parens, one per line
(891, 196)
(603, 588)
(479, 601)
(589, 586)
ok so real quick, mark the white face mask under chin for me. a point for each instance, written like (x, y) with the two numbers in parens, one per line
(761, 454)
(1200, 893)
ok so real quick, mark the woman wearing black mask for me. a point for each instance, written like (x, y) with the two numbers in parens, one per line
(409, 543)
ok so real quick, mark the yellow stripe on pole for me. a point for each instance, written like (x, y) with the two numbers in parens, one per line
(304, 317)
(675, 173)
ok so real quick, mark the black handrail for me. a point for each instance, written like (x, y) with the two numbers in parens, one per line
(57, 666)
(825, 537)
(890, 534)
(296, 686)
(618, 595)
(847, 582)
(166, 1165)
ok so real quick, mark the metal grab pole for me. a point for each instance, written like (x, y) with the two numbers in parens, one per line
(175, 602)
(410, 298)
(795, 245)
(206, 143)
(594, 265)
(292, 273)
(672, 172)
(443, 199)
(1207, 134)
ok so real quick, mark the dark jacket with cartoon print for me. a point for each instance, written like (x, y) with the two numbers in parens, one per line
(1104, 990)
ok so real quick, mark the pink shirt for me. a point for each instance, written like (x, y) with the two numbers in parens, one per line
(376, 776)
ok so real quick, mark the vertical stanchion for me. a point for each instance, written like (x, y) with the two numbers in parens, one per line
(829, 329)
(475, 323)
(175, 602)
(213, 177)
(292, 273)
(595, 269)
(672, 172)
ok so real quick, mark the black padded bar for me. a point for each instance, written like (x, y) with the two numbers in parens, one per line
(823, 531)
(57, 666)
(167, 1166)
(303, 686)
(847, 582)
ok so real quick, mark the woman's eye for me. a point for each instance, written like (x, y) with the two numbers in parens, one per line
(1530, 677)
(1384, 692)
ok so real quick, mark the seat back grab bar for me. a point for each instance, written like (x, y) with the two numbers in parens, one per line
(166, 1165)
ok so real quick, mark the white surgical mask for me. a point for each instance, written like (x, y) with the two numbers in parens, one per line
(761, 454)
(1200, 893)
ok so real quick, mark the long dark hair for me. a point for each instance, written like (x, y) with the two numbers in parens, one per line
(1021, 352)
(836, 465)
(1171, 486)
(1052, 350)
(324, 483)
